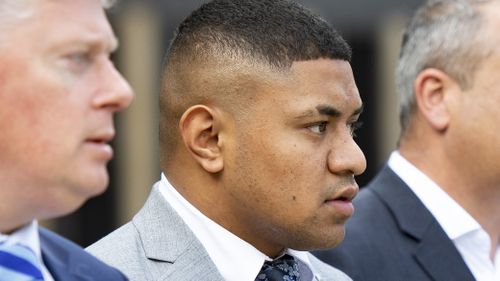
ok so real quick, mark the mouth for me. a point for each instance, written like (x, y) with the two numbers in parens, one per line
(341, 202)
(102, 138)
(99, 143)
(346, 194)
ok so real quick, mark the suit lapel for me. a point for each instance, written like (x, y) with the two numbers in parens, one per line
(173, 250)
(439, 257)
(59, 261)
(434, 251)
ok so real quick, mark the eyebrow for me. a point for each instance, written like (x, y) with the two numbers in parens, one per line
(328, 110)
(359, 110)
(333, 112)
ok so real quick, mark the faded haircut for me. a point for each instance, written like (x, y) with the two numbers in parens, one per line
(273, 33)
(443, 34)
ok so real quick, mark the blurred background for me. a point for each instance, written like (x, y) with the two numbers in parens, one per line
(145, 28)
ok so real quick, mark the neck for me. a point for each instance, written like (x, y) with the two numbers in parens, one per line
(480, 200)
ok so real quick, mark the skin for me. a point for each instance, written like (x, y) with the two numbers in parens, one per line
(59, 91)
(453, 139)
(271, 175)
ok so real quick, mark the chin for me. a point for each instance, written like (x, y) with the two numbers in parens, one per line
(83, 189)
(320, 240)
(92, 184)
(331, 238)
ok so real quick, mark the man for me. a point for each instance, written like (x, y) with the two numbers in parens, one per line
(58, 93)
(433, 212)
(258, 107)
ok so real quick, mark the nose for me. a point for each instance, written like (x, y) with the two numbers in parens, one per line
(115, 92)
(346, 158)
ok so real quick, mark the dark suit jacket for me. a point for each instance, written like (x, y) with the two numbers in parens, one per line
(393, 237)
(68, 262)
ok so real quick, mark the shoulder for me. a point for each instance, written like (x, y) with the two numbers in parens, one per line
(112, 247)
(327, 272)
(122, 249)
(60, 254)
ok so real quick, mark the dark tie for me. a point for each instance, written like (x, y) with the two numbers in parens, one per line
(18, 262)
(285, 268)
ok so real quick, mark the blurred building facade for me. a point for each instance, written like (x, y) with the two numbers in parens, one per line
(145, 28)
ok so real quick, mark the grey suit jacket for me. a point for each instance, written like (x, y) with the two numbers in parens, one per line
(158, 245)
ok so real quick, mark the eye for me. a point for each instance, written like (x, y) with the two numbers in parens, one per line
(355, 126)
(78, 61)
(318, 128)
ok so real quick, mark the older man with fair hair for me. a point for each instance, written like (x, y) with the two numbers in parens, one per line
(58, 94)
(433, 212)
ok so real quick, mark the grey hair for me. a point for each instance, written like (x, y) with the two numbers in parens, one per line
(443, 34)
(12, 10)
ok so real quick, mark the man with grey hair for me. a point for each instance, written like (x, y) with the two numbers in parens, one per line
(59, 92)
(433, 212)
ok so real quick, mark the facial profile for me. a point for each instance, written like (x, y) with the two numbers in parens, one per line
(58, 95)
(290, 162)
(473, 133)
(257, 130)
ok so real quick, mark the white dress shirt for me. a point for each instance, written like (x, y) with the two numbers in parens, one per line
(469, 237)
(28, 236)
(235, 259)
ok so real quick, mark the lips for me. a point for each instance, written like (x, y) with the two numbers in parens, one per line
(346, 194)
(102, 138)
(99, 144)
(341, 201)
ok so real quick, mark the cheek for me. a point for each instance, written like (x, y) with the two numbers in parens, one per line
(288, 160)
(39, 118)
(291, 181)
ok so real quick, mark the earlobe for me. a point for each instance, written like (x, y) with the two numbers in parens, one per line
(433, 89)
(201, 137)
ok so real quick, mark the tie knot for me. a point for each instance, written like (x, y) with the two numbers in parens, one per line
(18, 262)
(285, 268)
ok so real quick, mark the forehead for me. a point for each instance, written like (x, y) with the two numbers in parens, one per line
(489, 35)
(325, 81)
(491, 13)
(50, 21)
(327, 73)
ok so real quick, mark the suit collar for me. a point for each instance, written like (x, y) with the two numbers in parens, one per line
(411, 215)
(154, 223)
(434, 251)
(170, 244)
(59, 260)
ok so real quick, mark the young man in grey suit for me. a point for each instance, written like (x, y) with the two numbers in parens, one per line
(433, 213)
(258, 108)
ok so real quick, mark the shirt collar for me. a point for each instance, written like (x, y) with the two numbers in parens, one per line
(26, 235)
(234, 258)
(454, 220)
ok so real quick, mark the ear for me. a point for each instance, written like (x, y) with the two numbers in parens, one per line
(199, 130)
(434, 90)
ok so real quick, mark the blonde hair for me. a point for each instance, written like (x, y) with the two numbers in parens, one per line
(14, 11)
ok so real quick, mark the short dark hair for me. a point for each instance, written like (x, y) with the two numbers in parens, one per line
(278, 32)
(228, 34)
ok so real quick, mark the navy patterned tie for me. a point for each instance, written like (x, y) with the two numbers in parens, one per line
(282, 269)
(18, 263)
